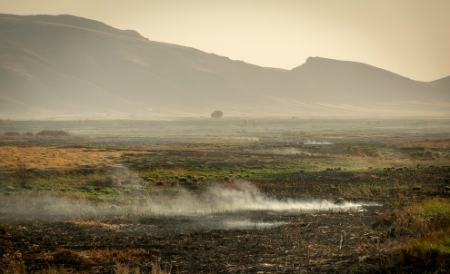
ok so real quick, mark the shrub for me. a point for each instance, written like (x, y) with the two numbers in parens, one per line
(11, 133)
(52, 133)
(22, 174)
(100, 180)
(217, 114)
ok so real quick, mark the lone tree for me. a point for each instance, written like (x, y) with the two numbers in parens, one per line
(217, 114)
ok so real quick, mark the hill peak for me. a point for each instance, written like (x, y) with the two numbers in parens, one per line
(323, 61)
(71, 21)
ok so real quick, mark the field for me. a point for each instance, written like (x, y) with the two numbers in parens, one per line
(225, 196)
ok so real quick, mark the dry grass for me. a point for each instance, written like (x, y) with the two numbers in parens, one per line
(156, 267)
(14, 263)
(126, 269)
(116, 255)
(95, 256)
(125, 261)
(51, 157)
(98, 224)
(58, 270)
(66, 257)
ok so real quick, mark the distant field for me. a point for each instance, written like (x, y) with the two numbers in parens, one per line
(225, 196)
(202, 129)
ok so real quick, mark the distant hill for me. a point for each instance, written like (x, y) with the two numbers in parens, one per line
(442, 84)
(70, 67)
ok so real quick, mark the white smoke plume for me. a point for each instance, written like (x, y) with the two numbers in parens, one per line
(240, 196)
(316, 143)
(233, 198)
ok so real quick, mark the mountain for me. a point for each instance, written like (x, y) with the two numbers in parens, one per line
(71, 67)
(442, 84)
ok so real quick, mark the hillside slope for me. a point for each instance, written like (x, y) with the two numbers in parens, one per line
(71, 67)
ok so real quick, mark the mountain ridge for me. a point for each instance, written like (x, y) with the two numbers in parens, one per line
(68, 66)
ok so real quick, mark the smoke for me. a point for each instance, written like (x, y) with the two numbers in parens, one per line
(240, 196)
(232, 198)
(284, 151)
(248, 224)
(316, 143)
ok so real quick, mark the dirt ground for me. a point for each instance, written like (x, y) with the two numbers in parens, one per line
(320, 242)
(306, 243)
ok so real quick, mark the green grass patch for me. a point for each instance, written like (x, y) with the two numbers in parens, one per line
(436, 211)
(441, 247)
(210, 175)
(437, 207)
(94, 186)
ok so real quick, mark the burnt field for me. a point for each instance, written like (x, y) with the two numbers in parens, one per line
(225, 197)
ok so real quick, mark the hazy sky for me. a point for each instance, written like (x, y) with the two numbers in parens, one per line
(410, 37)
